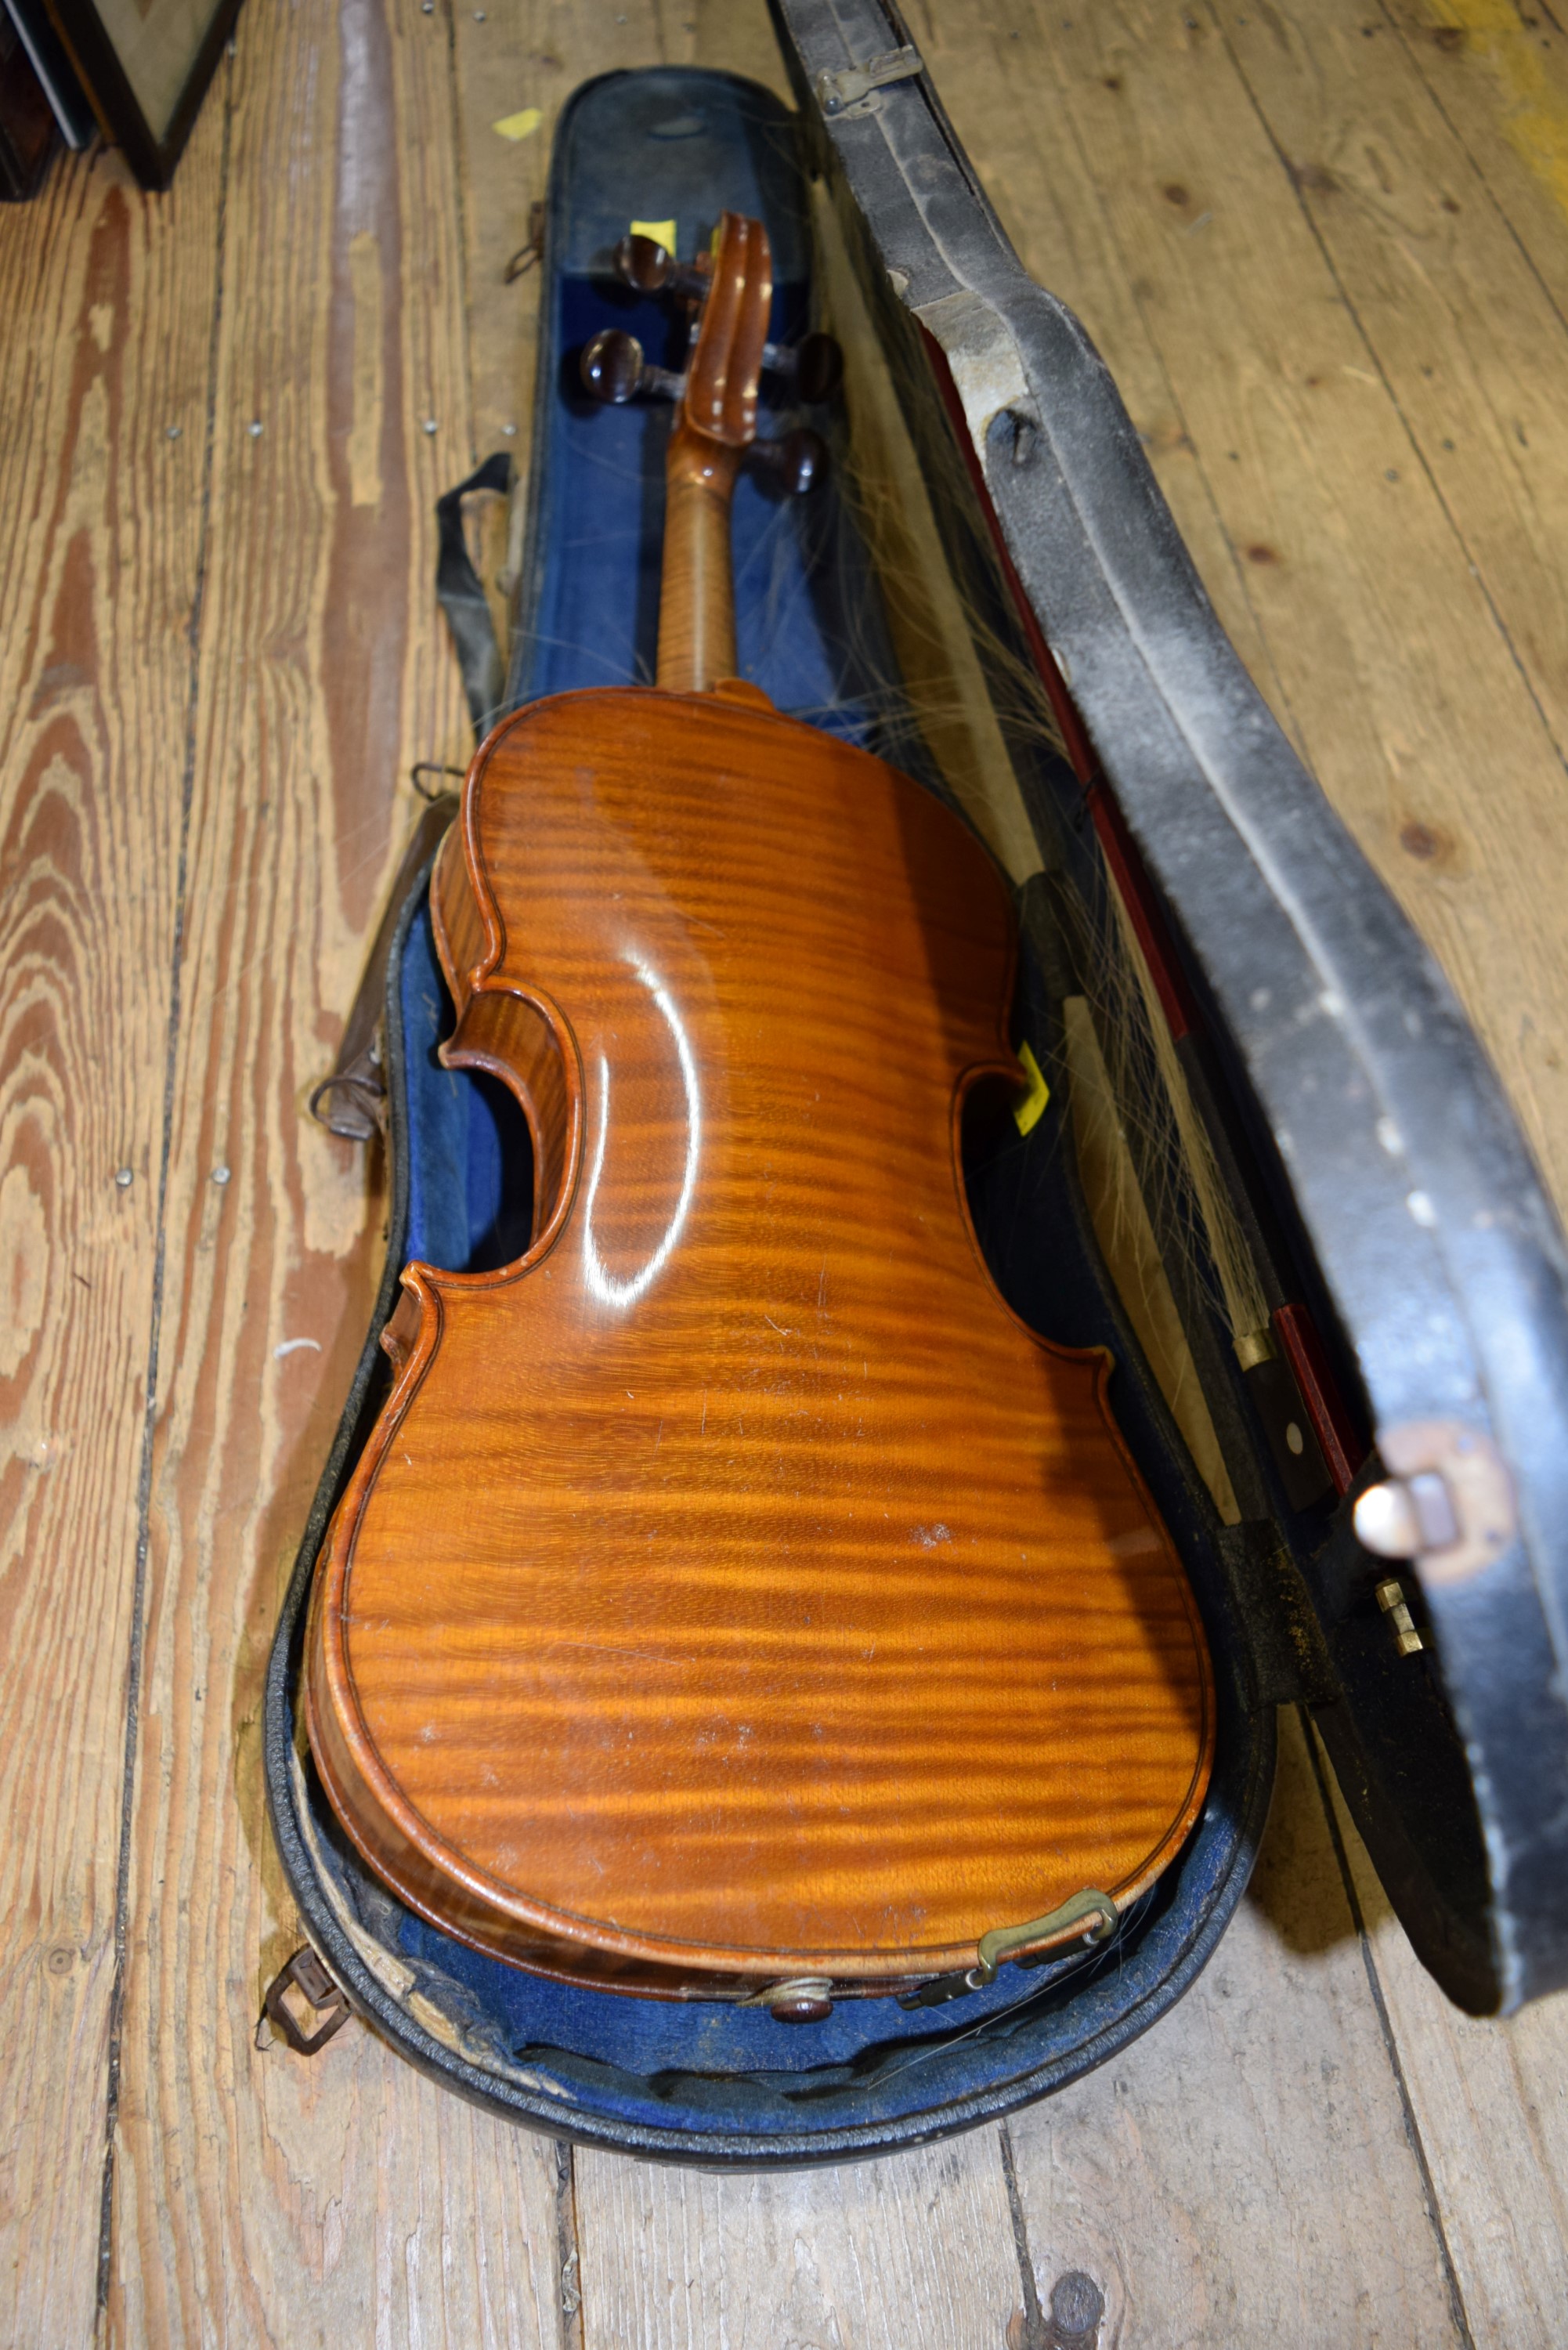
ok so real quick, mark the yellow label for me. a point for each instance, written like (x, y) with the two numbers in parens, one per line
(519, 126)
(661, 232)
(1026, 1111)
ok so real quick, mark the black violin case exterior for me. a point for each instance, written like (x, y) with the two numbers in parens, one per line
(1323, 1118)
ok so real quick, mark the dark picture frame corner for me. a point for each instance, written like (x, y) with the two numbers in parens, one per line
(146, 72)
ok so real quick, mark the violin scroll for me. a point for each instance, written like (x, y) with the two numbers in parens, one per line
(730, 293)
(814, 366)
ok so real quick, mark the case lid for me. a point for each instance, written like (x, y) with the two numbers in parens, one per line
(1335, 1056)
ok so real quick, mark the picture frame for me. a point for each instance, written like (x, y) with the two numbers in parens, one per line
(146, 65)
(26, 124)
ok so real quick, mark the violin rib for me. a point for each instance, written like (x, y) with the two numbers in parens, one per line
(733, 1588)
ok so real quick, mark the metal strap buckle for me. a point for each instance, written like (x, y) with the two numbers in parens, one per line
(305, 1972)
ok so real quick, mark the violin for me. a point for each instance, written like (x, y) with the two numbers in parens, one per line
(735, 1598)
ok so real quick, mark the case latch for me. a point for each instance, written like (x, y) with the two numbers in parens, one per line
(1448, 1504)
(853, 90)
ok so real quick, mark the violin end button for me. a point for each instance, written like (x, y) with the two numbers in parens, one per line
(809, 2001)
(801, 2010)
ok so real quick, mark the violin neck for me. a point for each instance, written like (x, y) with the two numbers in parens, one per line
(697, 596)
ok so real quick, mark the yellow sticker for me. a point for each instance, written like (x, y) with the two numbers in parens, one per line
(1026, 1112)
(661, 232)
(519, 126)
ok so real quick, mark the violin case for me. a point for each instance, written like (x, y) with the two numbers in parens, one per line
(1414, 1274)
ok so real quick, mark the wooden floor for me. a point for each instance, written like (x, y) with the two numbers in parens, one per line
(1324, 247)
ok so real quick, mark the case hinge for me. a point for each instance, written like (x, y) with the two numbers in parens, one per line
(853, 91)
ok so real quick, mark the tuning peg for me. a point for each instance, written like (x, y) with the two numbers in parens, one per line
(642, 263)
(614, 369)
(815, 365)
(796, 462)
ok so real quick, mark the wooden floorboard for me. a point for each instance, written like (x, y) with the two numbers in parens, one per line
(1253, 229)
(1246, 2173)
(1396, 601)
(914, 2249)
(105, 383)
(1497, 75)
(1247, 206)
(256, 2200)
(1490, 2104)
(1379, 645)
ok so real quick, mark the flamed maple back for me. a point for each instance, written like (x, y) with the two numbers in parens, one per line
(734, 1587)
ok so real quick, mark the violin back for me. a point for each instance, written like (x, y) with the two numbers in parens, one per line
(733, 1589)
